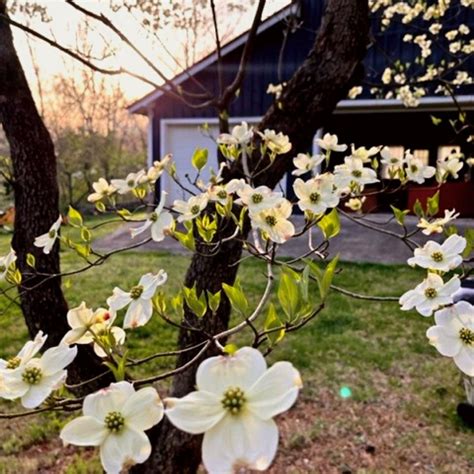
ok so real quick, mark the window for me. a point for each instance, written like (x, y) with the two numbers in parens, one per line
(445, 150)
(423, 155)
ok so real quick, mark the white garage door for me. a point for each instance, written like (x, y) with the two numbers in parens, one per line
(181, 138)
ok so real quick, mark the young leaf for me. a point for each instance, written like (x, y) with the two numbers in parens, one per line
(289, 295)
(272, 322)
(418, 209)
(197, 304)
(74, 217)
(432, 204)
(236, 297)
(30, 260)
(199, 159)
(399, 214)
(213, 300)
(330, 224)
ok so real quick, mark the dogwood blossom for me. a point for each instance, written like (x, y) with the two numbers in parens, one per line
(317, 194)
(393, 162)
(47, 240)
(87, 326)
(305, 163)
(138, 299)
(330, 143)
(450, 165)
(363, 153)
(132, 181)
(430, 294)
(453, 335)
(191, 208)
(416, 170)
(34, 380)
(5, 263)
(355, 204)
(155, 171)
(241, 135)
(274, 222)
(436, 226)
(277, 142)
(258, 199)
(234, 405)
(159, 222)
(444, 257)
(102, 189)
(115, 419)
(353, 172)
(27, 352)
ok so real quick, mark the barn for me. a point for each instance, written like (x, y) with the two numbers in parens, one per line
(280, 48)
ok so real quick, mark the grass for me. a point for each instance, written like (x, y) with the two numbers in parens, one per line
(370, 347)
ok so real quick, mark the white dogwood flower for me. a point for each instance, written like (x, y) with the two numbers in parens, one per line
(5, 263)
(46, 241)
(305, 163)
(258, 199)
(353, 172)
(132, 181)
(453, 335)
(155, 171)
(234, 405)
(330, 143)
(436, 226)
(115, 420)
(443, 257)
(191, 208)
(393, 162)
(27, 352)
(355, 204)
(416, 170)
(138, 299)
(274, 222)
(159, 222)
(34, 380)
(87, 326)
(364, 154)
(430, 294)
(102, 189)
(277, 142)
(449, 166)
(317, 194)
(241, 135)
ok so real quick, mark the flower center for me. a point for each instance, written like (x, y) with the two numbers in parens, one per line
(357, 173)
(437, 256)
(431, 293)
(222, 194)
(466, 336)
(13, 363)
(314, 197)
(114, 421)
(233, 400)
(271, 220)
(257, 198)
(153, 217)
(130, 183)
(32, 375)
(2, 268)
(195, 209)
(413, 168)
(393, 160)
(136, 292)
(52, 234)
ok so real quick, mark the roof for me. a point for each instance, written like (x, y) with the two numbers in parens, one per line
(142, 105)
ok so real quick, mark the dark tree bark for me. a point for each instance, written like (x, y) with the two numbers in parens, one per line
(36, 203)
(331, 68)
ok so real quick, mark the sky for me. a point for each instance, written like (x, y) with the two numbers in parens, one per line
(66, 22)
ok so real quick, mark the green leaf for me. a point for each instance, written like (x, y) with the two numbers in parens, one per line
(124, 212)
(330, 224)
(186, 239)
(231, 349)
(177, 304)
(207, 227)
(289, 295)
(83, 250)
(199, 159)
(197, 304)
(469, 236)
(236, 297)
(399, 214)
(418, 209)
(324, 279)
(30, 260)
(432, 204)
(86, 234)
(74, 217)
(436, 121)
(214, 300)
(272, 322)
(159, 301)
(100, 206)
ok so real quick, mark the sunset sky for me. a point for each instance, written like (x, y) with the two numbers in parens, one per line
(66, 22)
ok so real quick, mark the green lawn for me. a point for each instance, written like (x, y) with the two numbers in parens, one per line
(370, 347)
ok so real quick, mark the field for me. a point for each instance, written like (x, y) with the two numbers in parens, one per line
(377, 397)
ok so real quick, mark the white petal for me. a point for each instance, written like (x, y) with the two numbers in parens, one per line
(119, 299)
(240, 370)
(195, 413)
(13, 385)
(454, 244)
(31, 348)
(446, 344)
(112, 398)
(164, 222)
(150, 282)
(57, 358)
(275, 391)
(84, 431)
(240, 441)
(123, 450)
(37, 394)
(465, 360)
(410, 299)
(138, 313)
(77, 336)
(139, 230)
(80, 316)
(143, 409)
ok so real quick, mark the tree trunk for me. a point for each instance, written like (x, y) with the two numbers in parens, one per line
(36, 203)
(331, 68)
